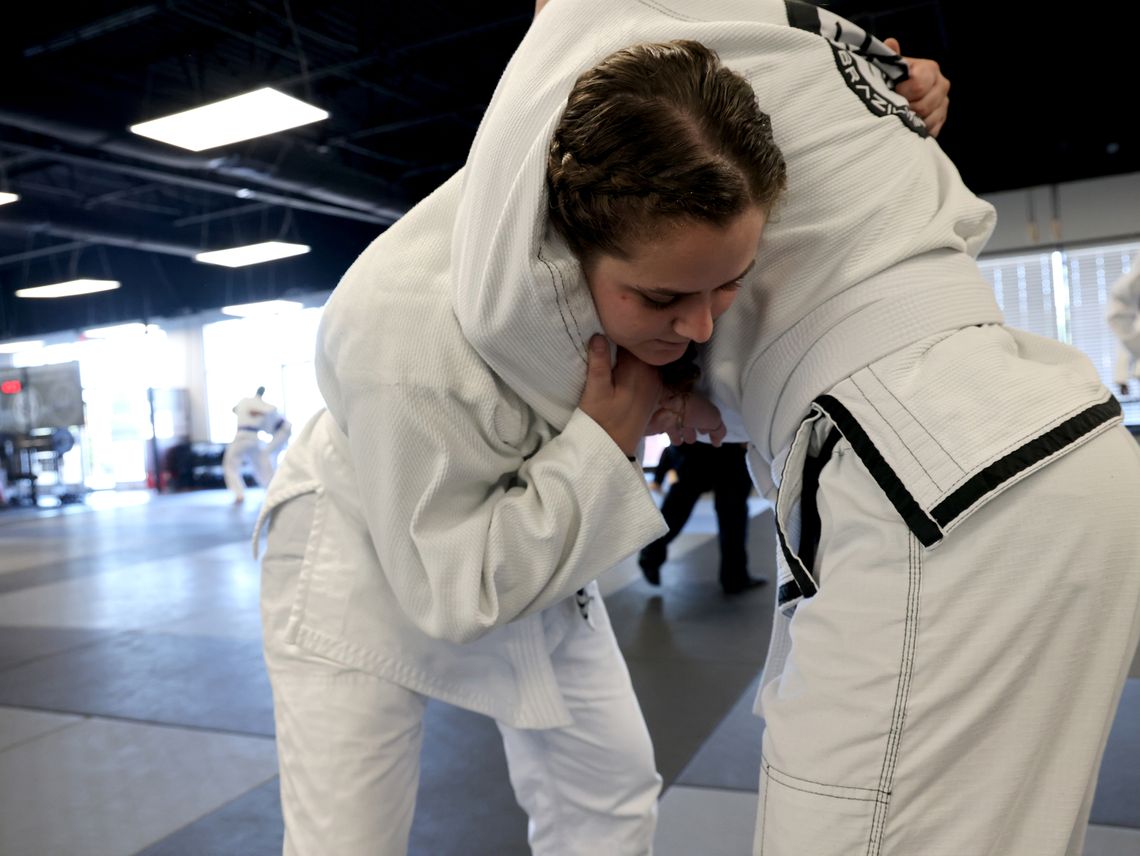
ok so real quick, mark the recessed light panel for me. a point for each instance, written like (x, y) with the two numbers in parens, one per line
(22, 345)
(263, 307)
(243, 117)
(70, 288)
(252, 254)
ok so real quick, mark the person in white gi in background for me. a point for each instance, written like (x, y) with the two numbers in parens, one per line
(1125, 368)
(1124, 320)
(959, 593)
(429, 531)
(280, 430)
(253, 415)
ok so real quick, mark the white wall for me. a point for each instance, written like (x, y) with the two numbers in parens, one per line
(1099, 210)
(185, 334)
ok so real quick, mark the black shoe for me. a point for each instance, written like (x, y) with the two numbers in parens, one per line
(651, 559)
(742, 584)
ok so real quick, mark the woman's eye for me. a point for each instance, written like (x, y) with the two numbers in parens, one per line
(733, 286)
(658, 303)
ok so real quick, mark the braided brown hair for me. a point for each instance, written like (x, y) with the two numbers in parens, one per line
(654, 136)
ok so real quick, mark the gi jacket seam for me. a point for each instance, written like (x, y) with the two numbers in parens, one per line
(902, 698)
(894, 431)
(930, 526)
(908, 412)
(562, 298)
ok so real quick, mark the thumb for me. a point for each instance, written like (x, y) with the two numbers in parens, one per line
(599, 374)
(893, 44)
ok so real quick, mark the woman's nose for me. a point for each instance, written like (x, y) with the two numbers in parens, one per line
(695, 322)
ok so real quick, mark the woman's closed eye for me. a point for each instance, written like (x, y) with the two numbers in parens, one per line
(659, 302)
(664, 301)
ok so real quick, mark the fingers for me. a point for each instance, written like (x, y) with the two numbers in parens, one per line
(661, 422)
(929, 98)
(926, 87)
(621, 398)
(717, 434)
(893, 44)
(599, 374)
(936, 119)
(926, 91)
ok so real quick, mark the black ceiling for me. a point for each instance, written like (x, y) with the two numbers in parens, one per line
(1033, 102)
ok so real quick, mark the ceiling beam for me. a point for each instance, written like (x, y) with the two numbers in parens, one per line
(93, 231)
(382, 215)
(97, 28)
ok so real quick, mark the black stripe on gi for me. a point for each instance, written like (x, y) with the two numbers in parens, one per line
(800, 564)
(927, 527)
(801, 584)
(790, 590)
(803, 16)
(1023, 457)
(917, 520)
(810, 524)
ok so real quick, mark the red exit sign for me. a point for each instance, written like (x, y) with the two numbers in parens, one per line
(10, 387)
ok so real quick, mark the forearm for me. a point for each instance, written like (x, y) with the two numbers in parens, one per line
(473, 533)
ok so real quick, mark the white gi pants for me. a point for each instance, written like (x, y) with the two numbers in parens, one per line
(246, 446)
(349, 742)
(954, 701)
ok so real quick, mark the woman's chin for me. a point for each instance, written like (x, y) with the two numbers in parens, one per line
(658, 353)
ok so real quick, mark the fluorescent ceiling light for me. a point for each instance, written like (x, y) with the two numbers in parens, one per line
(255, 114)
(252, 254)
(5, 197)
(119, 331)
(264, 307)
(69, 289)
(24, 345)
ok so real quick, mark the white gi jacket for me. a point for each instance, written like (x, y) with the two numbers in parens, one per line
(870, 255)
(446, 507)
(255, 414)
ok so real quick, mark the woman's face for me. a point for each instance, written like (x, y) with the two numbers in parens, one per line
(671, 288)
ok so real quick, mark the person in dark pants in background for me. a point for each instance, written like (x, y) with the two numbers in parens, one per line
(667, 463)
(702, 467)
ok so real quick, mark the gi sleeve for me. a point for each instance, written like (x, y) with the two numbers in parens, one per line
(471, 531)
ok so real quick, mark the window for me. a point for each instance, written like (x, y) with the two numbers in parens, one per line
(1063, 295)
(1091, 275)
(116, 372)
(1023, 286)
